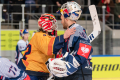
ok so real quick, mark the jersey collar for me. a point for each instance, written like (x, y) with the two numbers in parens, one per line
(71, 25)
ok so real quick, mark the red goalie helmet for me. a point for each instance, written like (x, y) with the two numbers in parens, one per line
(48, 23)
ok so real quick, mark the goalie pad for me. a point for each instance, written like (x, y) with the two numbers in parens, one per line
(60, 68)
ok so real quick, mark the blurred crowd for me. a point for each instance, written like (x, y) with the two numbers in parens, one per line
(35, 6)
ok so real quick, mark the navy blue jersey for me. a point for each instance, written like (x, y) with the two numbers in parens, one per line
(79, 45)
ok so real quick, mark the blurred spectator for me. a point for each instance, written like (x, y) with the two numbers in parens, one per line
(114, 1)
(81, 2)
(109, 9)
(58, 4)
(15, 9)
(29, 9)
(48, 4)
(2, 1)
(28, 6)
(117, 14)
(5, 9)
(18, 1)
(88, 3)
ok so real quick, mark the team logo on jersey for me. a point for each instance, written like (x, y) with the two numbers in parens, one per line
(84, 50)
(82, 34)
(44, 34)
(21, 47)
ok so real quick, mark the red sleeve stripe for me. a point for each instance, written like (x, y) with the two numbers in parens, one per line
(50, 46)
(27, 78)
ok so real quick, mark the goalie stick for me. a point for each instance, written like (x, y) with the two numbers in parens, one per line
(96, 26)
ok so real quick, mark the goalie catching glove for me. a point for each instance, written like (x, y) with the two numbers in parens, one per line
(62, 67)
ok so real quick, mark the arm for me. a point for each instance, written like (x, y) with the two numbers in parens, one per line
(51, 45)
(81, 45)
(8, 68)
(58, 4)
(9, 71)
(21, 46)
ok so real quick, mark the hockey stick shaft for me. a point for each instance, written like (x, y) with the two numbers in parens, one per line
(95, 21)
(50, 77)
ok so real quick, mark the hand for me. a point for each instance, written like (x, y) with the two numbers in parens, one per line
(119, 16)
(58, 4)
(106, 1)
(69, 32)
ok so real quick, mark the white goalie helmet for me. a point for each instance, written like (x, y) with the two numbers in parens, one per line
(70, 10)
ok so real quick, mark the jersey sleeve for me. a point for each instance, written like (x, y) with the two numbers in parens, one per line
(8, 68)
(50, 45)
(11, 71)
(80, 44)
(16, 55)
(80, 35)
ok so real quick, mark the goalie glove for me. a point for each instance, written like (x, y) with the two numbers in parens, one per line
(60, 68)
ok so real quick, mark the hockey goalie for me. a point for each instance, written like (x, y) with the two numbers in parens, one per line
(75, 64)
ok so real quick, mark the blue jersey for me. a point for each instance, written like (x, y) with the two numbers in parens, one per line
(79, 45)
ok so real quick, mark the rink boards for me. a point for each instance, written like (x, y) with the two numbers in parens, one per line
(106, 67)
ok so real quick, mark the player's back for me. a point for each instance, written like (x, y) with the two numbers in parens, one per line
(36, 55)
